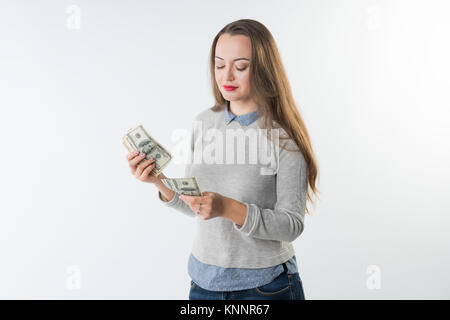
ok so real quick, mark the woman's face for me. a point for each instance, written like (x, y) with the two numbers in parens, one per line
(232, 64)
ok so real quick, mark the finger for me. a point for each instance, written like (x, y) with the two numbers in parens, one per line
(192, 204)
(193, 198)
(135, 162)
(133, 159)
(137, 159)
(147, 170)
(198, 200)
(142, 166)
(186, 200)
(132, 155)
(186, 197)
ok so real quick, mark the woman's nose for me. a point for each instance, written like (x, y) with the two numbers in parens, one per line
(230, 75)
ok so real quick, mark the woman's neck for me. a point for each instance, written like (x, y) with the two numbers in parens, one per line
(239, 108)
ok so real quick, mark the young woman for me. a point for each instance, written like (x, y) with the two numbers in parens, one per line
(249, 213)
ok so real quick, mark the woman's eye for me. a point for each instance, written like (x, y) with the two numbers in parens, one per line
(217, 67)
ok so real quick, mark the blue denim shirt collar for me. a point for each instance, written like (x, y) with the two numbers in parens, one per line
(244, 119)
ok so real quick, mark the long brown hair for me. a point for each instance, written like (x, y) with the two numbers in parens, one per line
(270, 90)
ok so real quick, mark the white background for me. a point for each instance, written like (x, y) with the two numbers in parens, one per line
(371, 79)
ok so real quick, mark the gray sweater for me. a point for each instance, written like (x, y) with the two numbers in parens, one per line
(274, 192)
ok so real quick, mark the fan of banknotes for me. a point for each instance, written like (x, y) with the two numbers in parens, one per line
(184, 186)
(137, 139)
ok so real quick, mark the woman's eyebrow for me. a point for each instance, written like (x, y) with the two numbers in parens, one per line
(234, 59)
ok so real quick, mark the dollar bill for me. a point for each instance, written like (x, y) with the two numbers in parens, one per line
(184, 186)
(137, 139)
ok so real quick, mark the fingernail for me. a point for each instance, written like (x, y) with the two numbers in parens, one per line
(136, 152)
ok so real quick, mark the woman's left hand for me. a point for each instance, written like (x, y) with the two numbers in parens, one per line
(209, 205)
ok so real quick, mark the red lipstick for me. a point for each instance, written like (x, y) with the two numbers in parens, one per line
(229, 88)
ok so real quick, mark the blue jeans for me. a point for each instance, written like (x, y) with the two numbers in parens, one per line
(284, 287)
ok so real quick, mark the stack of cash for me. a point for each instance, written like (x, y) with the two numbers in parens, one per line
(138, 139)
(184, 186)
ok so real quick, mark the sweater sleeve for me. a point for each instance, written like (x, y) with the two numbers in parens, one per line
(176, 203)
(286, 221)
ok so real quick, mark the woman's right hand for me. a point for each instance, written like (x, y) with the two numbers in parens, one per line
(141, 168)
